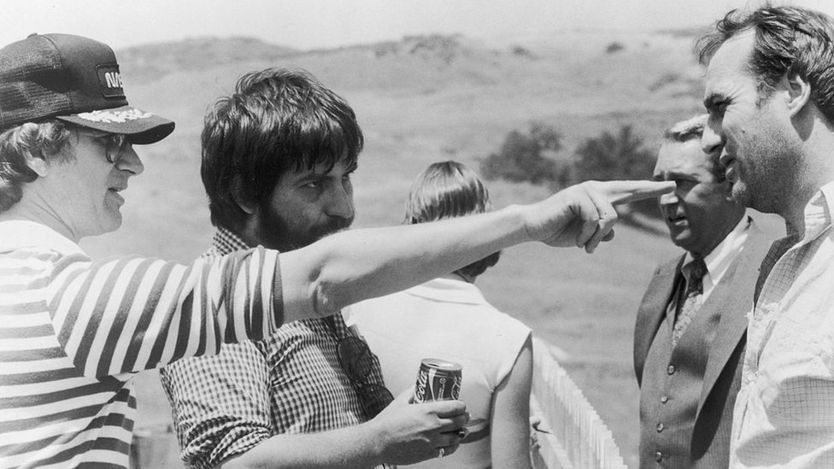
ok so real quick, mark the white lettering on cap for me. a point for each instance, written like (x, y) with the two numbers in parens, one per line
(113, 80)
(111, 117)
(111, 84)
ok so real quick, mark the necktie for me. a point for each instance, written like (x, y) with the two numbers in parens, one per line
(694, 273)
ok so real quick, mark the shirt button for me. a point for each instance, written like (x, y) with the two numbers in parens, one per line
(664, 399)
(670, 369)
(659, 427)
(658, 456)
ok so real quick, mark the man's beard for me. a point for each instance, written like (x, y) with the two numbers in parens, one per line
(275, 233)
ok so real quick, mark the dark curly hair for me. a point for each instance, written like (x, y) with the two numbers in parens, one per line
(277, 120)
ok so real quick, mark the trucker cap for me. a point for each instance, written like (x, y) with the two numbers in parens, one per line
(73, 79)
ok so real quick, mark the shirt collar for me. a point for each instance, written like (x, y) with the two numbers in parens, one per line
(720, 258)
(449, 290)
(17, 234)
(818, 212)
(225, 242)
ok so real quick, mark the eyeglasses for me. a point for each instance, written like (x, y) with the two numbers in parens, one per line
(357, 361)
(114, 144)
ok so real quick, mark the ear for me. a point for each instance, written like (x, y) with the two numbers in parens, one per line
(38, 164)
(237, 194)
(799, 93)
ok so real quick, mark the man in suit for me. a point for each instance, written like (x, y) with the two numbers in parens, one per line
(690, 331)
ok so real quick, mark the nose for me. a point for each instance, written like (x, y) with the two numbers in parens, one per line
(130, 161)
(340, 203)
(711, 139)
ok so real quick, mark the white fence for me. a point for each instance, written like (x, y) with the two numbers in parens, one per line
(573, 436)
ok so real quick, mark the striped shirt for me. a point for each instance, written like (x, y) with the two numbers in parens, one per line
(73, 332)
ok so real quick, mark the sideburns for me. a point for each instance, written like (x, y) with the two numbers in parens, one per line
(764, 91)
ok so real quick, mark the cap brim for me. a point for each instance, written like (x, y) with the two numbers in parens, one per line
(139, 126)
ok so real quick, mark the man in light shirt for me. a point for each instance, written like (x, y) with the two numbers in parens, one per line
(769, 90)
(689, 336)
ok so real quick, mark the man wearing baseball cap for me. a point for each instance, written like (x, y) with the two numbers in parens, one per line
(74, 331)
(74, 80)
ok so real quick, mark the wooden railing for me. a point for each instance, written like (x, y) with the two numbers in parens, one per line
(571, 434)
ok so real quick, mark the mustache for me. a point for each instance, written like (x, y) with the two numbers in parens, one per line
(334, 225)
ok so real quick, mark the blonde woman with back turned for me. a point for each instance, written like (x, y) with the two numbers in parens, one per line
(449, 318)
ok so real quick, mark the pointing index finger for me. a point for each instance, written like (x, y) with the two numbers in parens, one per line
(623, 192)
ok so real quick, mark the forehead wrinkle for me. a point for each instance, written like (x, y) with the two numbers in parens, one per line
(684, 157)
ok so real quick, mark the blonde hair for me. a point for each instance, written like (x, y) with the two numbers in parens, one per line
(449, 189)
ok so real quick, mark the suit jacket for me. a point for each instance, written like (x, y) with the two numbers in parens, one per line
(687, 393)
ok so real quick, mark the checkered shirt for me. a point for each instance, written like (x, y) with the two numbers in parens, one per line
(291, 382)
(784, 413)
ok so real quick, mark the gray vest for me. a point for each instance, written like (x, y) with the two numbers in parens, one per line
(671, 387)
(694, 400)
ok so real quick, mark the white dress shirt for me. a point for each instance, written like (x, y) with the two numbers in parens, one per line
(784, 413)
(720, 258)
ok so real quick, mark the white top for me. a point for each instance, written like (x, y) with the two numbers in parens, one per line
(451, 320)
(784, 413)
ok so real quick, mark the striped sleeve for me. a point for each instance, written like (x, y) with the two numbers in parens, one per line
(132, 314)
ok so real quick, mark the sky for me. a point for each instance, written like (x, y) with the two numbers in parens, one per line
(314, 24)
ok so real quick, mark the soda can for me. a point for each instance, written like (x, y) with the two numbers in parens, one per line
(438, 380)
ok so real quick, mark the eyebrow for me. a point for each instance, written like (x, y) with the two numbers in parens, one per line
(312, 175)
(308, 177)
(711, 100)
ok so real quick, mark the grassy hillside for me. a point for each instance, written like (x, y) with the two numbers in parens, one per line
(421, 100)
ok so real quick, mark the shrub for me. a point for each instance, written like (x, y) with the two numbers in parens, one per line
(532, 157)
(617, 156)
(523, 157)
(521, 51)
(614, 47)
(614, 156)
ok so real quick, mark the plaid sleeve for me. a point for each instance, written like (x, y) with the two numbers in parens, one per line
(220, 403)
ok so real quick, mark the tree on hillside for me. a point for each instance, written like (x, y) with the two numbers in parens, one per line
(617, 156)
(614, 47)
(614, 156)
(528, 157)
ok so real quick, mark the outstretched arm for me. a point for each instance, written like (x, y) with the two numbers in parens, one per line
(130, 314)
(355, 265)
